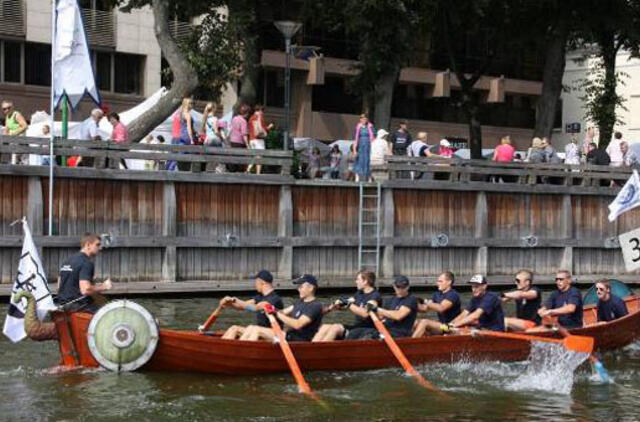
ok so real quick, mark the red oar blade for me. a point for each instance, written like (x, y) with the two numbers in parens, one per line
(580, 344)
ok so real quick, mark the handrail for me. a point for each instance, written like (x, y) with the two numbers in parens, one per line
(151, 152)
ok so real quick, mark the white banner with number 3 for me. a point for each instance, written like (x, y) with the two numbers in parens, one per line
(630, 244)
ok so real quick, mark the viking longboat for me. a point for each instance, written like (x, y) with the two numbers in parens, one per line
(124, 336)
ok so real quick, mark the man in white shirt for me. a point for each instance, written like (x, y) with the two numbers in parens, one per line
(614, 150)
(89, 132)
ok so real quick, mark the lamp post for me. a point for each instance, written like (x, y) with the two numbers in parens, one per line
(288, 30)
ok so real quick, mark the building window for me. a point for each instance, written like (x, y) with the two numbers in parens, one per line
(37, 64)
(333, 97)
(128, 73)
(12, 59)
(117, 72)
(103, 70)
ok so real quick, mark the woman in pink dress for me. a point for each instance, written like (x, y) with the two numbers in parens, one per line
(505, 151)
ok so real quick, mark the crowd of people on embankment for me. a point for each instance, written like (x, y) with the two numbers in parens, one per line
(247, 129)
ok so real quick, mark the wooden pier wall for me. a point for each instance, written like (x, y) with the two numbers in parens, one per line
(178, 232)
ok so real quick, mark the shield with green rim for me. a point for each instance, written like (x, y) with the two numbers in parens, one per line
(122, 336)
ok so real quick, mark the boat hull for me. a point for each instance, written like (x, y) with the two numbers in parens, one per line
(190, 351)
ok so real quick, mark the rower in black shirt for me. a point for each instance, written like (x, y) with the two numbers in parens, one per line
(266, 294)
(302, 320)
(365, 283)
(528, 300)
(446, 302)
(610, 306)
(399, 312)
(75, 282)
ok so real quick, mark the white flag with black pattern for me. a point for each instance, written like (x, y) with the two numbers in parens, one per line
(31, 278)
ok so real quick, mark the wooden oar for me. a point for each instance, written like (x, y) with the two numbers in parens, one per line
(402, 359)
(595, 362)
(212, 318)
(291, 360)
(580, 344)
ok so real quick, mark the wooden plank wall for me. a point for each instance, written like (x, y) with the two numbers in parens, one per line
(206, 210)
(176, 230)
(423, 213)
(104, 206)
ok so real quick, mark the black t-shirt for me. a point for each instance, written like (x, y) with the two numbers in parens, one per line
(453, 297)
(401, 140)
(404, 327)
(492, 317)
(598, 157)
(528, 309)
(77, 267)
(613, 308)
(313, 310)
(361, 300)
(272, 298)
(558, 299)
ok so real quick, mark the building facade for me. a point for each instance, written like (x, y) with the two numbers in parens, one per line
(577, 69)
(125, 54)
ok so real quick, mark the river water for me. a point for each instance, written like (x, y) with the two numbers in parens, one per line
(493, 391)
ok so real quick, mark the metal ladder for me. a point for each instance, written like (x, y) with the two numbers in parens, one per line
(369, 226)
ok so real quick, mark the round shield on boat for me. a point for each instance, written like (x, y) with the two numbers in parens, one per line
(122, 336)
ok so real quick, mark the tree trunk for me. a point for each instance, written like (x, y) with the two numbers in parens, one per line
(383, 99)
(552, 80)
(243, 15)
(185, 78)
(609, 95)
(475, 128)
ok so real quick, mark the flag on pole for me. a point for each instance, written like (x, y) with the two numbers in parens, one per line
(627, 198)
(72, 69)
(31, 278)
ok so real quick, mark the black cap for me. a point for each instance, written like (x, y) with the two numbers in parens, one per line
(401, 281)
(306, 278)
(264, 275)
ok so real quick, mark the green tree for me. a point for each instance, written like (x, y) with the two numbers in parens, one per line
(609, 26)
(209, 56)
(496, 24)
(385, 32)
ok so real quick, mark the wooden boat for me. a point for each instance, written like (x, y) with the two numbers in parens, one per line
(194, 352)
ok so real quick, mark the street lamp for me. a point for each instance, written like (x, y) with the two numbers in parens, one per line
(288, 30)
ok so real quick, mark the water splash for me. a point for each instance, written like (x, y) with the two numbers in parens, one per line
(551, 368)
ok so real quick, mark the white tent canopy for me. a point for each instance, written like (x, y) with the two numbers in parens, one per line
(41, 118)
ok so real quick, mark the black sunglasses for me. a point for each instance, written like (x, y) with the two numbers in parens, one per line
(561, 278)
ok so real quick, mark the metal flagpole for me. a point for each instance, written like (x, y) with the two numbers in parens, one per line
(52, 111)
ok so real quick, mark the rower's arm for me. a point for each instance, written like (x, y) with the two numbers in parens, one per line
(441, 307)
(287, 310)
(295, 323)
(516, 294)
(462, 315)
(396, 315)
(569, 308)
(470, 318)
(359, 310)
(242, 304)
(86, 288)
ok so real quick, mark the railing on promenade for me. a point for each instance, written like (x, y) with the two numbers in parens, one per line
(201, 157)
(458, 170)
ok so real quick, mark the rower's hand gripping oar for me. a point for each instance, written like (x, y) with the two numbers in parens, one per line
(595, 362)
(270, 310)
(400, 357)
(579, 344)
